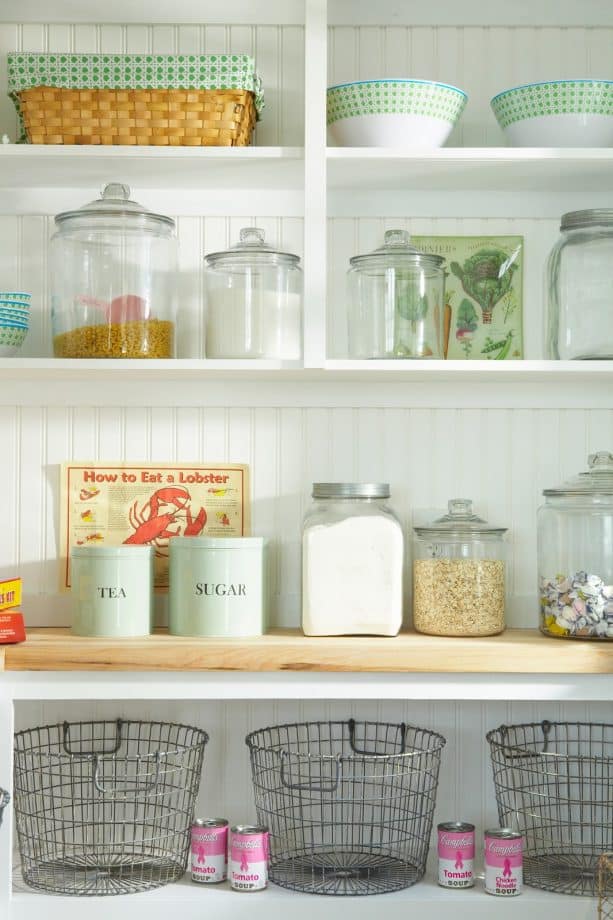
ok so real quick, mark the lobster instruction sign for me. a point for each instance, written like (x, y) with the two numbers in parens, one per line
(115, 504)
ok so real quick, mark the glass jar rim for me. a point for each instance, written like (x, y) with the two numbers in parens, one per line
(341, 490)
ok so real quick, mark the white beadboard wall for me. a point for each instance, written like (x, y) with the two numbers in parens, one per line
(465, 791)
(482, 61)
(24, 266)
(356, 235)
(502, 458)
(278, 52)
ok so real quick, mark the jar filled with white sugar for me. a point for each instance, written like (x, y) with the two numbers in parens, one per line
(253, 300)
(352, 561)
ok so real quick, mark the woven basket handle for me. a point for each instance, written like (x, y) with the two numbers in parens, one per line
(332, 786)
(82, 753)
(4, 800)
(134, 786)
(357, 750)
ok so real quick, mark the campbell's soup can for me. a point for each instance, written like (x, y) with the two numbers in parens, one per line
(503, 862)
(456, 854)
(248, 857)
(210, 851)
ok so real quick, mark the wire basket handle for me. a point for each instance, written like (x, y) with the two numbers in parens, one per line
(356, 750)
(143, 788)
(321, 787)
(82, 753)
(4, 800)
(504, 731)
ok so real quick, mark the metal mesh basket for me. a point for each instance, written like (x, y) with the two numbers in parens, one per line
(349, 805)
(4, 800)
(105, 808)
(554, 782)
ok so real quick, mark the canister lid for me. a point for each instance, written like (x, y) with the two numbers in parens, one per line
(397, 251)
(252, 248)
(111, 551)
(351, 490)
(598, 480)
(227, 543)
(460, 519)
(592, 217)
(115, 202)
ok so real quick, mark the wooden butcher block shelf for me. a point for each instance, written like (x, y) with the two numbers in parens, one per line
(516, 651)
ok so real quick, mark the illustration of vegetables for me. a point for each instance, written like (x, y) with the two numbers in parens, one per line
(412, 307)
(486, 276)
(503, 346)
(466, 325)
(446, 326)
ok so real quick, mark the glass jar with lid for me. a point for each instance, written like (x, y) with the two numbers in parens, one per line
(575, 554)
(352, 561)
(254, 301)
(579, 319)
(459, 582)
(113, 280)
(396, 301)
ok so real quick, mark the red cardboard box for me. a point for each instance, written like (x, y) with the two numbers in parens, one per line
(11, 627)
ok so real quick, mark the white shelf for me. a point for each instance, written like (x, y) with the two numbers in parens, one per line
(194, 382)
(191, 902)
(168, 168)
(516, 169)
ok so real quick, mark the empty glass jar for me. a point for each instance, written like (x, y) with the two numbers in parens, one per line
(579, 322)
(113, 280)
(254, 301)
(459, 565)
(575, 554)
(396, 301)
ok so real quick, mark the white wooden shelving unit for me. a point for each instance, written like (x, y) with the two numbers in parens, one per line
(497, 432)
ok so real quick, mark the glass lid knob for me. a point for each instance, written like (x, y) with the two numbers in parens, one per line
(602, 460)
(460, 507)
(116, 190)
(397, 238)
(252, 235)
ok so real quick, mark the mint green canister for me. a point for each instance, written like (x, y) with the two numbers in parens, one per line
(112, 590)
(217, 586)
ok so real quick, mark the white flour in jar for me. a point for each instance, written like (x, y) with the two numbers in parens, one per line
(352, 577)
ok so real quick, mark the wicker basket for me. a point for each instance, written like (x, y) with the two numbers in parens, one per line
(157, 117)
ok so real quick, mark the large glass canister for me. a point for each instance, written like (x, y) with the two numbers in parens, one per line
(579, 280)
(113, 268)
(575, 554)
(352, 561)
(253, 301)
(459, 563)
(396, 301)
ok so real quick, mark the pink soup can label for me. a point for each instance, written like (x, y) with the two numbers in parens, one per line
(503, 862)
(248, 858)
(210, 851)
(456, 855)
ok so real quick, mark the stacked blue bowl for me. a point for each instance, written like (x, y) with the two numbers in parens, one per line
(14, 321)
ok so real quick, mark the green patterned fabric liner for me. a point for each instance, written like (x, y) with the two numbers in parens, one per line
(391, 97)
(565, 97)
(133, 71)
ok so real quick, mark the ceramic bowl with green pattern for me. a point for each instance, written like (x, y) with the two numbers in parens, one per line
(393, 113)
(11, 339)
(560, 113)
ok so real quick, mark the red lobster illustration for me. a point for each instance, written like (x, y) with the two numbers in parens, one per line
(151, 526)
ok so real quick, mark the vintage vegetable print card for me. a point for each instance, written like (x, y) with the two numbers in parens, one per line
(483, 294)
(147, 504)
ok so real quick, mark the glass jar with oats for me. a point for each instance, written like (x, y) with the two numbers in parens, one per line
(113, 278)
(459, 582)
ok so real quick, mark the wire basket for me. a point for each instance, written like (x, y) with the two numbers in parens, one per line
(554, 782)
(605, 887)
(349, 805)
(105, 808)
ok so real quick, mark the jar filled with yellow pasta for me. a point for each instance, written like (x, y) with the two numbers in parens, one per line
(113, 278)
